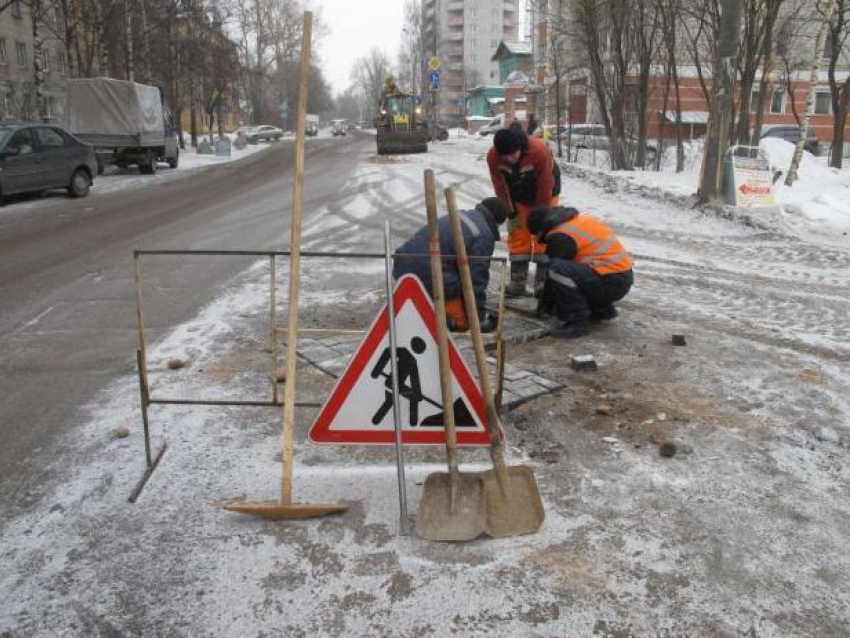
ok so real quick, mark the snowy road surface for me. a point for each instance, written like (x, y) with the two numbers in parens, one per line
(743, 532)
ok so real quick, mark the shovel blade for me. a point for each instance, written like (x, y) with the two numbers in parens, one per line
(275, 510)
(437, 522)
(518, 512)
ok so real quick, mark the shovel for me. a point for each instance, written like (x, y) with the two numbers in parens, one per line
(284, 508)
(513, 499)
(452, 507)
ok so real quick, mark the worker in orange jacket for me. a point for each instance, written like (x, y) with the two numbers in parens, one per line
(524, 175)
(589, 269)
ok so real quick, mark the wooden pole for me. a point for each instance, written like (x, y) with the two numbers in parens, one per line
(442, 335)
(493, 421)
(294, 265)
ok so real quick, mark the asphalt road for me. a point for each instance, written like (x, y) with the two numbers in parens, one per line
(67, 314)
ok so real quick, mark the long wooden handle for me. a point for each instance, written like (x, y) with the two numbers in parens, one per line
(294, 267)
(496, 453)
(442, 330)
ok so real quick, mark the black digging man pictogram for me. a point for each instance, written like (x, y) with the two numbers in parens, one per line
(408, 380)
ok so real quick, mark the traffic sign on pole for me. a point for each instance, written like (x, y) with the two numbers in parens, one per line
(434, 77)
(434, 63)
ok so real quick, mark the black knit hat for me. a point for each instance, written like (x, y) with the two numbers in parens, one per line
(497, 208)
(537, 219)
(507, 141)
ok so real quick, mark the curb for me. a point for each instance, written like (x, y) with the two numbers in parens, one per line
(622, 184)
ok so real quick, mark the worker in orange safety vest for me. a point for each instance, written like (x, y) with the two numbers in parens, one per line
(589, 269)
(524, 175)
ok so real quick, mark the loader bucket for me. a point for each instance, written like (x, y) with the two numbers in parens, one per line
(401, 143)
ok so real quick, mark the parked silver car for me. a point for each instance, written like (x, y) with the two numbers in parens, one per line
(593, 136)
(264, 132)
(43, 157)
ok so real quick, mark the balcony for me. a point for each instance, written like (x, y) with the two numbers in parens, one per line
(455, 21)
(454, 5)
(455, 36)
(509, 7)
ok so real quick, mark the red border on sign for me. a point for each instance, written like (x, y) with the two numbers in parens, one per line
(408, 289)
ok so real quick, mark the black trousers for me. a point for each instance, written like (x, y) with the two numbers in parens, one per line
(574, 291)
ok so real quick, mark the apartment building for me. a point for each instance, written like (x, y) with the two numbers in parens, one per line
(17, 72)
(464, 35)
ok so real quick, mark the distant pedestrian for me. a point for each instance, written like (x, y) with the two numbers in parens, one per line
(589, 269)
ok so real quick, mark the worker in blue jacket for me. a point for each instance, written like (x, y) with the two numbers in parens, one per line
(480, 234)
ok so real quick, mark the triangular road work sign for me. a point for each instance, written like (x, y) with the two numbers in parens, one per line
(359, 409)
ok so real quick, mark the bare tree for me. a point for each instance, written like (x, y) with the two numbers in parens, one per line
(766, 86)
(826, 9)
(369, 74)
(670, 14)
(839, 30)
(412, 52)
(716, 138)
(700, 26)
(647, 32)
(604, 31)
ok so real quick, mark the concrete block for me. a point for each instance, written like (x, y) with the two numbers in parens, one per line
(584, 362)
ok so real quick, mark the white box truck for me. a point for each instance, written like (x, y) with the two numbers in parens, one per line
(125, 122)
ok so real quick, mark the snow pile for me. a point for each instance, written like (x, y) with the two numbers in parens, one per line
(818, 202)
(820, 197)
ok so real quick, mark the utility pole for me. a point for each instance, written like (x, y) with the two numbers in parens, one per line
(717, 137)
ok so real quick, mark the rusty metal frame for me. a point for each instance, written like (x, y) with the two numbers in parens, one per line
(147, 400)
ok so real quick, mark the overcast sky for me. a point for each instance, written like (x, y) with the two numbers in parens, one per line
(355, 27)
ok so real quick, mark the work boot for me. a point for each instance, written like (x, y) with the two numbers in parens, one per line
(519, 275)
(540, 279)
(570, 330)
(605, 313)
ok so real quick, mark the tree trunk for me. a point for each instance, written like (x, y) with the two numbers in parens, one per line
(128, 41)
(663, 123)
(717, 133)
(836, 159)
(766, 83)
(38, 51)
(680, 149)
(810, 99)
(146, 42)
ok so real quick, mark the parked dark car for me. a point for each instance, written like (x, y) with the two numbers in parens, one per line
(42, 157)
(791, 133)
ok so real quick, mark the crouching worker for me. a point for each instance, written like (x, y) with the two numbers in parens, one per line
(480, 233)
(588, 269)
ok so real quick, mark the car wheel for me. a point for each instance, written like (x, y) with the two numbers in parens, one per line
(148, 165)
(174, 161)
(277, 138)
(80, 184)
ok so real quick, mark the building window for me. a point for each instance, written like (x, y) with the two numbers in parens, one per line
(21, 52)
(60, 62)
(777, 105)
(2, 51)
(16, 10)
(494, 43)
(45, 60)
(823, 102)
